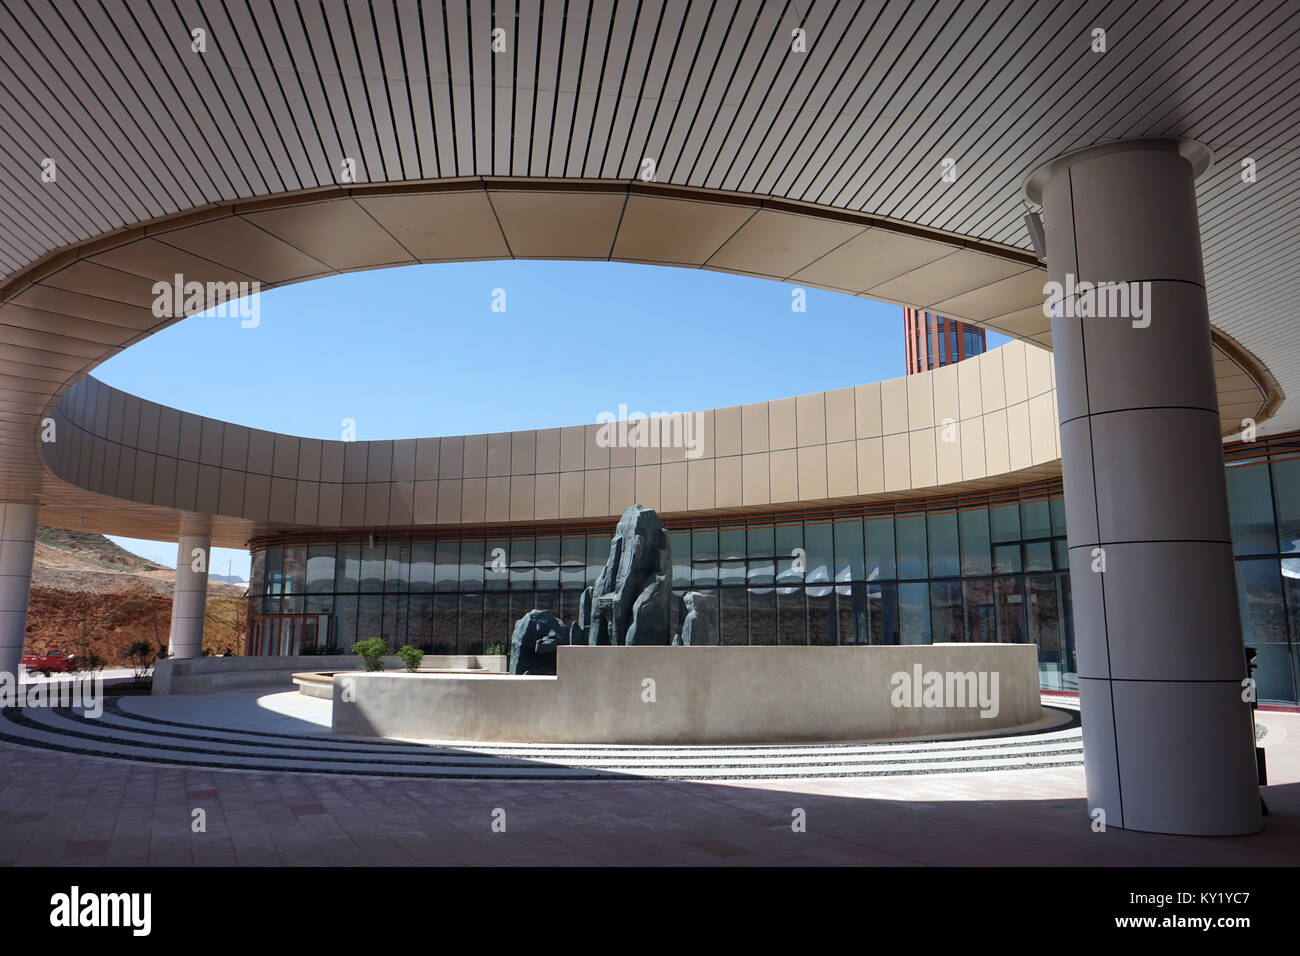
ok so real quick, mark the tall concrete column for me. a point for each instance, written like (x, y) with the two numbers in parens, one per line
(1167, 736)
(190, 600)
(17, 545)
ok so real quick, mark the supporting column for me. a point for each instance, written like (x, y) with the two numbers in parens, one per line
(189, 603)
(17, 545)
(1167, 736)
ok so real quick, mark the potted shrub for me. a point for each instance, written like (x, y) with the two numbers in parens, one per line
(411, 657)
(371, 652)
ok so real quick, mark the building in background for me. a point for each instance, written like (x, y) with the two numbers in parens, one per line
(935, 340)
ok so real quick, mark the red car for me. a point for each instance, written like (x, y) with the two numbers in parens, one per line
(50, 662)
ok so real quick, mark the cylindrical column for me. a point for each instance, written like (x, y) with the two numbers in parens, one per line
(1167, 735)
(189, 603)
(17, 545)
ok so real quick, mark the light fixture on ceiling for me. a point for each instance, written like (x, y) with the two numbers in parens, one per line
(1036, 234)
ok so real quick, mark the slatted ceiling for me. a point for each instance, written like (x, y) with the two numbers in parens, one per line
(161, 126)
(290, 49)
(681, 49)
(378, 102)
(616, 65)
(696, 106)
(262, 90)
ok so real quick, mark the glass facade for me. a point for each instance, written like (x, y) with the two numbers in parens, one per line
(990, 567)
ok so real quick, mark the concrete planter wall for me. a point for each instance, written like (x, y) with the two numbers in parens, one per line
(206, 675)
(695, 695)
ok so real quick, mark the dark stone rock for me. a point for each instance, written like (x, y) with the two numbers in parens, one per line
(700, 627)
(638, 556)
(533, 643)
(650, 614)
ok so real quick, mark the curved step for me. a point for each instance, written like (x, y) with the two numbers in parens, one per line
(120, 734)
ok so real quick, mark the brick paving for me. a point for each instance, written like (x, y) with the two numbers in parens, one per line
(67, 809)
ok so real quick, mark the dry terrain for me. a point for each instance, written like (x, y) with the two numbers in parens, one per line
(89, 595)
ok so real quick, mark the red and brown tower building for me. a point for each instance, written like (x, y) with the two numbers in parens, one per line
(934, 340)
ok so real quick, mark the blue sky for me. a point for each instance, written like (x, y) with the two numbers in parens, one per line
(420, 351)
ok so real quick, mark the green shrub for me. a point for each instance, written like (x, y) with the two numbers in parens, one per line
(90, 663)
(496, 647)
(411, 657)
(371, 652)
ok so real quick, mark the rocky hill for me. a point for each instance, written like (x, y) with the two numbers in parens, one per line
(90, 595)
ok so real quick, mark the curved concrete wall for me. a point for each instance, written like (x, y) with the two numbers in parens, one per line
(973, 422)
(702, 695)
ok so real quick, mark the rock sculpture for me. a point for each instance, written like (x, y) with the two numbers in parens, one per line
(630, 599)
(533, 643)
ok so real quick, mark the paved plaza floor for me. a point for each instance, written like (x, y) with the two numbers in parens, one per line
(59, 808)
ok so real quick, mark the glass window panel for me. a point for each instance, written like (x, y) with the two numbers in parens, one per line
(851, 613)
(1004, 523)
(914, 612)
(548, 564)
(257, 574)
(913, 558)
(445, 614)
(733, 572)
(423, 561)
(762, 616)
(981, 619)
(762, 547)
(1035, 519)
(395, 620)
(733, 616)
(573, 562)
(345, 621)
(397, 566)
(469, 624)
(274, 571)
(946, 615)
(372, 568)
(370, 617)
(679, 543)
(1286, 495)
(849, 551)
(941, 531)
(497, 626)
(523, 557)
(1038, 556)
(295, 570)
(347, 569)
(1259, 592)
(787, 547)
(1045, 627)
(821, 617)
(974, 527)
(1058, 516)
(1250, 505)
(1006, 558)
(419, 621)
(1061, 554)
(792, 617)
(319, 603)
(447, 574)
(880, 563)
(731, 544)
(320, 569)
(1009, 596)
(819, 543)
(496, 564)
(473, 552)
(704, 559)
(882, 612)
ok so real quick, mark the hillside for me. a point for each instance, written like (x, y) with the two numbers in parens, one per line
(90, 595)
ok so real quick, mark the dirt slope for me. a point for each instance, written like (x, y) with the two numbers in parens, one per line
(88, 594)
